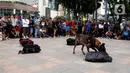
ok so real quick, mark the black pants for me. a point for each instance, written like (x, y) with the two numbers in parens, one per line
(26, 31)
(100, 32)
(20, 34)
(50, 32)
(80, 29)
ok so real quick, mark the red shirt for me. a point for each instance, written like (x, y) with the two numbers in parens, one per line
(73, 24)
(67, 23)
(18, 28)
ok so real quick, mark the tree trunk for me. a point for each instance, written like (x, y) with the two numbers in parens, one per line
(68, 13)
(87, 16)
(120, 18)
(75, 15)
(96, 10)
(93, 15)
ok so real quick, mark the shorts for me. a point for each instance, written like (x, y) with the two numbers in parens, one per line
(67, 28)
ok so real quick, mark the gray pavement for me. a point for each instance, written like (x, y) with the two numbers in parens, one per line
(57, 57)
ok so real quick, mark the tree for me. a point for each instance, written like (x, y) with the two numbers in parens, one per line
(78, 6)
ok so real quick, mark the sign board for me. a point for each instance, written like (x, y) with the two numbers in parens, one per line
(119, 9)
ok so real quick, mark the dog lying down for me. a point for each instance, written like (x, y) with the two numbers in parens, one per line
(89, 42)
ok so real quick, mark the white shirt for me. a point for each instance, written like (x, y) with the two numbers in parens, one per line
(25, 22)
(121, 26)
(37, 22)
(43, 23)
(14, 21)
(100, 26)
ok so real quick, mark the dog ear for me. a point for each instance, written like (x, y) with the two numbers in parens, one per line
(103, 44)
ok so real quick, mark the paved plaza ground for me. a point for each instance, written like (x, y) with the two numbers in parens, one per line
(57, 57)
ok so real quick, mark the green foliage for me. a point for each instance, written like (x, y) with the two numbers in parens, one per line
(78, 6)
(60, 17)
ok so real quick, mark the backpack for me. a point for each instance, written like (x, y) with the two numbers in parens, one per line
(98, 57)
(71, 42)
(29, 48)
(24, 42)
(125, 33)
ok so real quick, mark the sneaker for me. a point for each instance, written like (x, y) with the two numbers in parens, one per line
(24, 37)
(20, 52)
(27, 37)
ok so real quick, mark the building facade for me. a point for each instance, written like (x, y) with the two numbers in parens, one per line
(10, 0)
(45, 7)
(13, 7)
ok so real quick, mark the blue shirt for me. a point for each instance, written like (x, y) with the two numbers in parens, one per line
(88, 27)
(20, 23)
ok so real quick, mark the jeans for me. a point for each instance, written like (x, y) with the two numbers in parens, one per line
(26, 31)
(31, 30)
(37, 32)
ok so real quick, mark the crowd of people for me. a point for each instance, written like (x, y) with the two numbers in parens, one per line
(14, 26)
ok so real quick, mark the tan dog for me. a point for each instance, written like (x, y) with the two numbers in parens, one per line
(89, 42)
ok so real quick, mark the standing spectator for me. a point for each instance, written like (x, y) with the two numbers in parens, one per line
(73, 27)
(80, 26)
(25, 21)
(18, 28)
(63, 28)
(106, 28)
(68, 27)
(19, 23)
(31, 27)
(60, 27)
(123, 24)
(126, 33)
(129, 30)
(14, 20)
(37, 26)
(88, 28)
(50, 27)
(54, 27)
(100, 29)
(92, 28)
(7, 25)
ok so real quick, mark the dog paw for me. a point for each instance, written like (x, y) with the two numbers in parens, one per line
(73, 52)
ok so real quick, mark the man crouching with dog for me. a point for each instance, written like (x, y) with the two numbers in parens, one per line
(89, 42)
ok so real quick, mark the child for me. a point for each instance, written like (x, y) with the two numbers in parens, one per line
(13, 33)
(43, 32)
(110, 35)
(17, 30)
(3, 35)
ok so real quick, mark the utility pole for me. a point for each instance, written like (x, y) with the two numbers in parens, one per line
(96, 10)
(106, 9)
